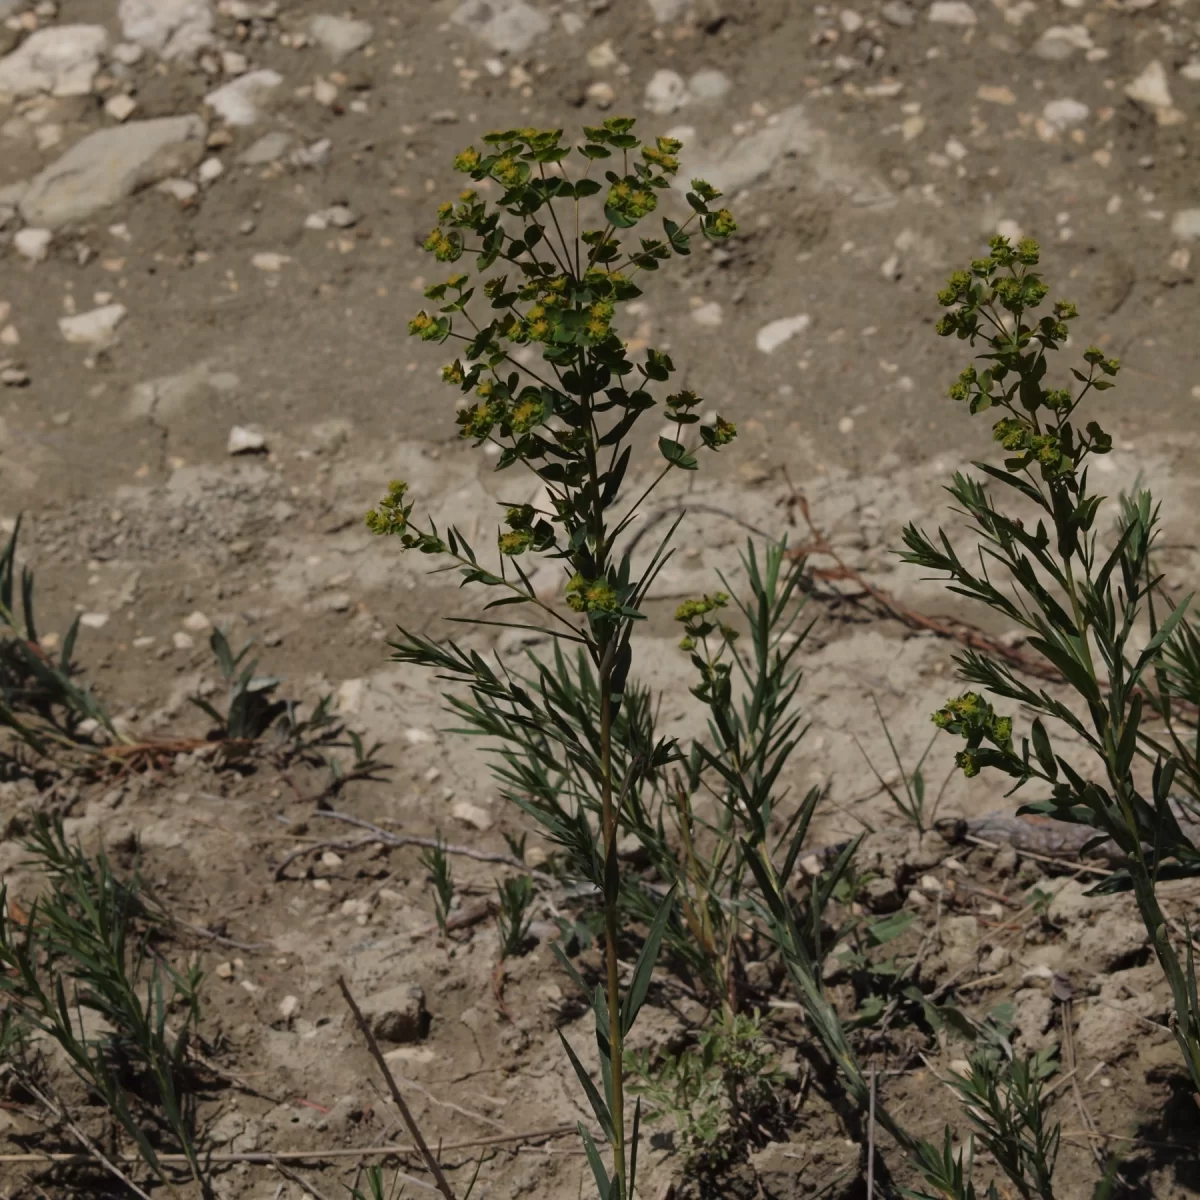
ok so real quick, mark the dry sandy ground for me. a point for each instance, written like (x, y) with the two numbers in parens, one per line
(254, 263)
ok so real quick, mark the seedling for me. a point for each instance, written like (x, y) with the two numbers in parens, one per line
(437, 862)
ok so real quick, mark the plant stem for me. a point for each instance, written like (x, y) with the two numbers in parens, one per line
(611, 881)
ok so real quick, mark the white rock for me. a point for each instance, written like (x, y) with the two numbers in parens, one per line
(120, 107)
(128, 53)
(1191, 71)
(196, 622)
(472, 815)
(61, 59)
(211, 169)
(416, 736)
(171, 28)
(708, 84)
(773, 335)
(1061, 41)
(289, 1006)
(1065, 114)
(95, 328)
(896, 12)
(707, 315)
(849, 20)
(241, 100)
(33, 244)
(324, 92)
(340, 36)
(602, 56)
(952, 12)
(317, 154)
(846, 425)
(269, 260)
(508, 26)
(338, 216)
(667, 10)
(1185, 225)
(233, 63)
(245, 441)
(269, 148)
(93, 620)
(1150, 89)
(111, 164)
(182, 189)
(182, 641)
(666, 92)
(601, 93)
(786, 139)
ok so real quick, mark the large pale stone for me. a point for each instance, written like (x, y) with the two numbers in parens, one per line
(62, 60)
(109, 165)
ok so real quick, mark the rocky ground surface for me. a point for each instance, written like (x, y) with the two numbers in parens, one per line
(210, 226)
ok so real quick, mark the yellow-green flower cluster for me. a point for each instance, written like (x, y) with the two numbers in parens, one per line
(721, 433)
(515, 541)
(972, 717)
(444, 247)
(631, 199)
(663, 154)
(392, 514)
(591, 595)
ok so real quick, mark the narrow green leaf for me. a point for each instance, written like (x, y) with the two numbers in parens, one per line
(636, 996)
(593, 1095)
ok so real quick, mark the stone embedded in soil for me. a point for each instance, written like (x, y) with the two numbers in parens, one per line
(775, 333)
(95, 329)
(896, 12)
(398, 1014)
(33, 244)
(508, 26)
(171, 28)
(708, 85)
(472, 815)
(120, 107)
(1151, 92)
(666, 92)
(1061, 41)
(242, 100)
(952, 12)
(338, 216)
(340, 36)
(667, 10)
(269, 148)
(245, 441)
(1065, 114)
(109, 165)
(1185, 224)
(62, 60)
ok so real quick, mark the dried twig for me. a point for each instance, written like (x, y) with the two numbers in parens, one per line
(966, 635)
(268, 1158)
(414, 1132)
(396, 840)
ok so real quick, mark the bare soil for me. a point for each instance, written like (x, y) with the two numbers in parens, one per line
(895, 167)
